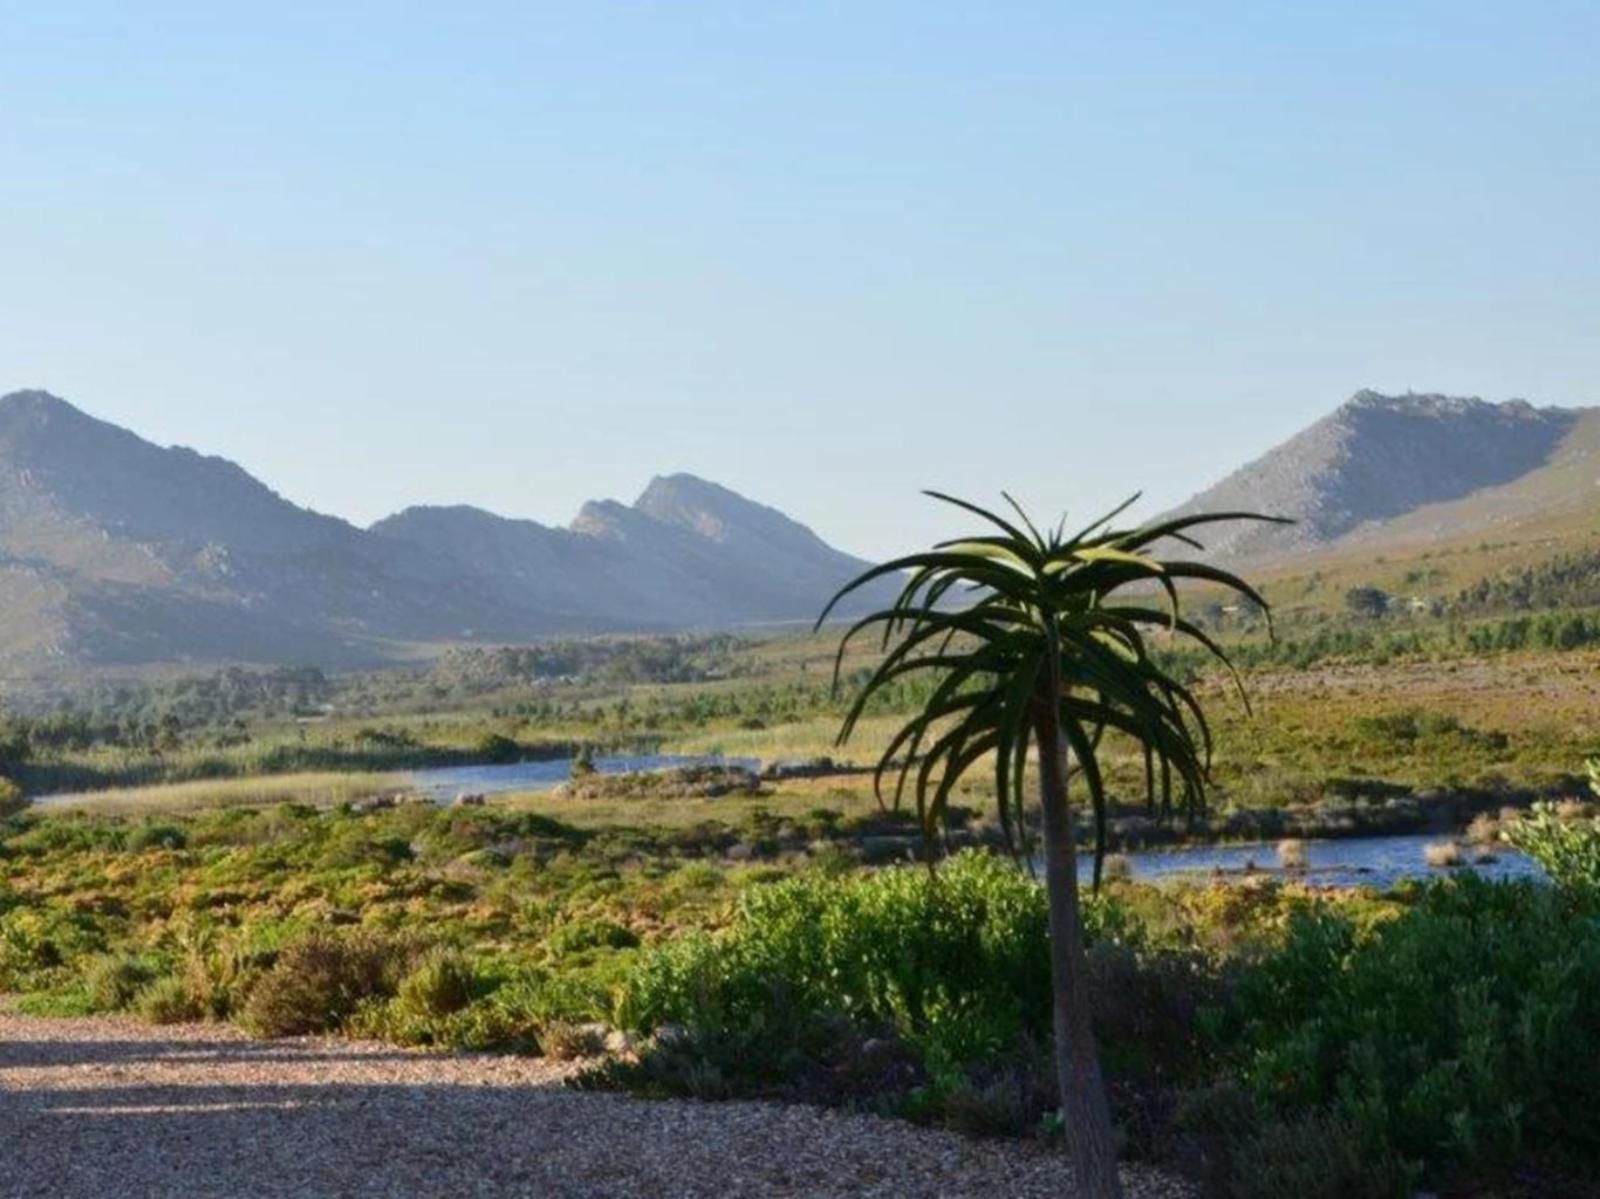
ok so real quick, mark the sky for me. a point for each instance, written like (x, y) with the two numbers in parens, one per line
(521, 255)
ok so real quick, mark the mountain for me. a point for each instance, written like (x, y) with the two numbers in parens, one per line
(115, 551)
(687, 552)
(1410, 469)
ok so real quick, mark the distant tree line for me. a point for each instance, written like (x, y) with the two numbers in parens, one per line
(1567, 581)
(677, 659)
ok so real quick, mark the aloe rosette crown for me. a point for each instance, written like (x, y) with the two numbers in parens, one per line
(1016, 622)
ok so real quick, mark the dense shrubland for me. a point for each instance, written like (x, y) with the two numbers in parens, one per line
(1275, 1039)
(1566, 581)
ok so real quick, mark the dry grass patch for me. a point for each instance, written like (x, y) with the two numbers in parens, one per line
(791, 799)
(1292, 854)
(322, 788)
(1442, 855)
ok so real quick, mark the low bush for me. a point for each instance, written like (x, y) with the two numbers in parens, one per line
(1567, 849)
(567, 1041)
(578, 936)
(496, 747)
(954, 961)
(12, 800)
(442, 983)
(319, 981)
(1445, 1037)
(168, 1000)
(1314, 1157)
(156, 836)
(112, 980)
(43, 947)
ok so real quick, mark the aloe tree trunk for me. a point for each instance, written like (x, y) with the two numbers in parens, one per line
(1085, 1114)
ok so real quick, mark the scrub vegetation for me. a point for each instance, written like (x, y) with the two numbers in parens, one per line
(726, 936)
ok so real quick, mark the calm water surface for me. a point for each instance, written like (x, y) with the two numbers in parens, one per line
(1350, 862)
(444, 784)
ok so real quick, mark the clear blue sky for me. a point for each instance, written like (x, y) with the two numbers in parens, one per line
(524, 254)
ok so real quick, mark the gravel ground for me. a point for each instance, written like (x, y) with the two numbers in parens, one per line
(106, 1107)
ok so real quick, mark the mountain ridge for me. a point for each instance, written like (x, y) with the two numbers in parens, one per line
(1377, 459)
(118, 552)
(114, 550)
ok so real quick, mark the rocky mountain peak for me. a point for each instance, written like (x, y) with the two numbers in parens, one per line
(1376, 457)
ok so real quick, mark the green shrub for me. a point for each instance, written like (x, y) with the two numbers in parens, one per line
(112, 980)
(955, 961)
(578, 936)
(1314, 1157)
(1445, 1037)
(319, 981)
(1567, 850)
(434, 1005)
(12, 800)
(441, 983)
(168, 1000)
(156, 836)
(1149, 1006)
(496, 747)
(41, 947)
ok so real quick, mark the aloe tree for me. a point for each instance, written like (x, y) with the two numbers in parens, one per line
(1040, 641)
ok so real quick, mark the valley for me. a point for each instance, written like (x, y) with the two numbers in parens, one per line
(290, 820)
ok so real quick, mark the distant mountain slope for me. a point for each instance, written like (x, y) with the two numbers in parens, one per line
(686, 553)
(1561, 493)
(1436, 465)
(117, 551)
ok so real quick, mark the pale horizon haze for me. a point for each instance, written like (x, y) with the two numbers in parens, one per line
(525, 255)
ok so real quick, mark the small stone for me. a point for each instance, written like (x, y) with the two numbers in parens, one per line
(671, 1034)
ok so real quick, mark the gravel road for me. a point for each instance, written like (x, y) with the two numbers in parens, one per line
(106, 1107)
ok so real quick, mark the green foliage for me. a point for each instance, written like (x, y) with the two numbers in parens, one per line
(156, 836)
(112, 980)
(1048, 644)
(168, 1000)
(1315, 1157)
(320, 980)
(497, 748)
(954, 961)
(1550, 631)
(41, 947)
(1410, 726)
(679, 659)
(12, 800)
(1566, 581)
(441, 984)
(578, 936)
(1444, 1037)
(1567, 849)
(583, 763)
(1367, 601)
